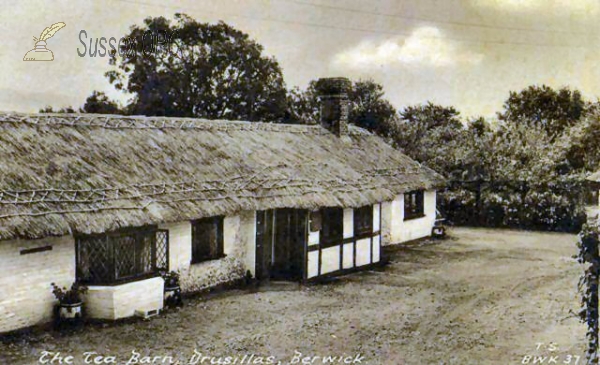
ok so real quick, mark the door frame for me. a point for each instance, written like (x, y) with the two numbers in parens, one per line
(265, 241)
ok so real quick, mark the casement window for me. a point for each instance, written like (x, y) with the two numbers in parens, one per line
(207, 239)
(332, 226)
(363, 221)
(121, 256)
(413, 205)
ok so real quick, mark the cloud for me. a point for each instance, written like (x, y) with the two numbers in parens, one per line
(563, 6)
(426, 46)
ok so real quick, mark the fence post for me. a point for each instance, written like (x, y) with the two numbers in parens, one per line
(479, 203)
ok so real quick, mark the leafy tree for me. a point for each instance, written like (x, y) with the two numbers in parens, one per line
(99, 103)
(579, 146)
(199, 70)
(553, 110)
(49, 109)
(478, 126)
(522, 154)
(302, 106)
(368, 107)
(434, 135)
(429, 116)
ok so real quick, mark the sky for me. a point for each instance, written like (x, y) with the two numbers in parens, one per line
(464, 53)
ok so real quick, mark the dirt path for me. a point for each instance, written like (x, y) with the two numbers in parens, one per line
(481, 297)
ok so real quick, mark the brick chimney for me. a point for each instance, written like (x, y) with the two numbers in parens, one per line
(333, 94)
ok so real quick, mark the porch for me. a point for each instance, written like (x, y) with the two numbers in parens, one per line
(293, 244)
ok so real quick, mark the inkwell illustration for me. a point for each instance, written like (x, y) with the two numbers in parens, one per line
(40, 52)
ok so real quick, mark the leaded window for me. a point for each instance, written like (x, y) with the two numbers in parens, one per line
(121, 256)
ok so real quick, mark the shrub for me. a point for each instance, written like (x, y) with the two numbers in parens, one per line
(538, 209)
(69, 296)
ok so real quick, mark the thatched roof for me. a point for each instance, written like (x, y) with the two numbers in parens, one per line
(77, 173)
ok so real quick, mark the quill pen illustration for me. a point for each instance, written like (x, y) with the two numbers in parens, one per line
(50, 31)
(40, 52)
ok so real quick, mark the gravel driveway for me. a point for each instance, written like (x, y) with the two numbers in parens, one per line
(480, 297)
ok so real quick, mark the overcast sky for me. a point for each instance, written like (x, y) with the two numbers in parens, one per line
(464, 53)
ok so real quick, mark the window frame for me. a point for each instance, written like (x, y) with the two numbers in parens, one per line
(414, 205)
(331, 217)
(113, 251)
(360, 216)
(219, 254)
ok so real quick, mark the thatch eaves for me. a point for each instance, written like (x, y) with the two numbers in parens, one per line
(79, 173)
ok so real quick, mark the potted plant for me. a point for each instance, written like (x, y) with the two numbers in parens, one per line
(172, 294)
(69, 300)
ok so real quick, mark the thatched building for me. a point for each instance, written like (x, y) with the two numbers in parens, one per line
(111, 200)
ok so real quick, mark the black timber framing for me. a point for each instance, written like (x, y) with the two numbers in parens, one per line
(319, 247)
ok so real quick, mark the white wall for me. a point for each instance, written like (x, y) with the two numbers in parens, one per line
(239, 233)
(121, 301)
(330, 259)
(386, 223)
(180, 246)
(348, 224)
(247, 238)
(330, 256)
(396, 230)
(26, 297)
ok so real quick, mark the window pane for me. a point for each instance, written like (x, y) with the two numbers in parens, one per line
(333, 221)
(413, 204)
(124, 247)
(145, 254)
(95, 260)
(363, 220)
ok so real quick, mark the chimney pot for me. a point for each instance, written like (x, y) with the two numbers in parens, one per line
(333, 94)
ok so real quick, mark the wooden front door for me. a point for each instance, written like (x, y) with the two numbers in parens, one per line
(280, 244)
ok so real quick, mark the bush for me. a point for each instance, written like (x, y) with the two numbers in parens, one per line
(543, 210)
(588, 287)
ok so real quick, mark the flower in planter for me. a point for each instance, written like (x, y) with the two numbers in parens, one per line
(171, 278)
(172, 291)
(69, 296)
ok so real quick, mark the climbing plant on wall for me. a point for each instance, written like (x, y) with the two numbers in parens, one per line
(588, 286)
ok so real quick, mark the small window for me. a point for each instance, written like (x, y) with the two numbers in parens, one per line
(332, 220)
(363, 221)
(413, 205)
(207, 239)
(315, 221)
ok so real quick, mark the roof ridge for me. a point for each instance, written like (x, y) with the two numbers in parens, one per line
(114, 121)
(111, 121)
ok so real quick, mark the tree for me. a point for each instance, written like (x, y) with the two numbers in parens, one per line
(434, 135)
(99, 103)
(430, 116)
(553, 110)
(579, 146)
(49, 109)
(368, 107)
(302, 106)
(478, 126)
(199, 70)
